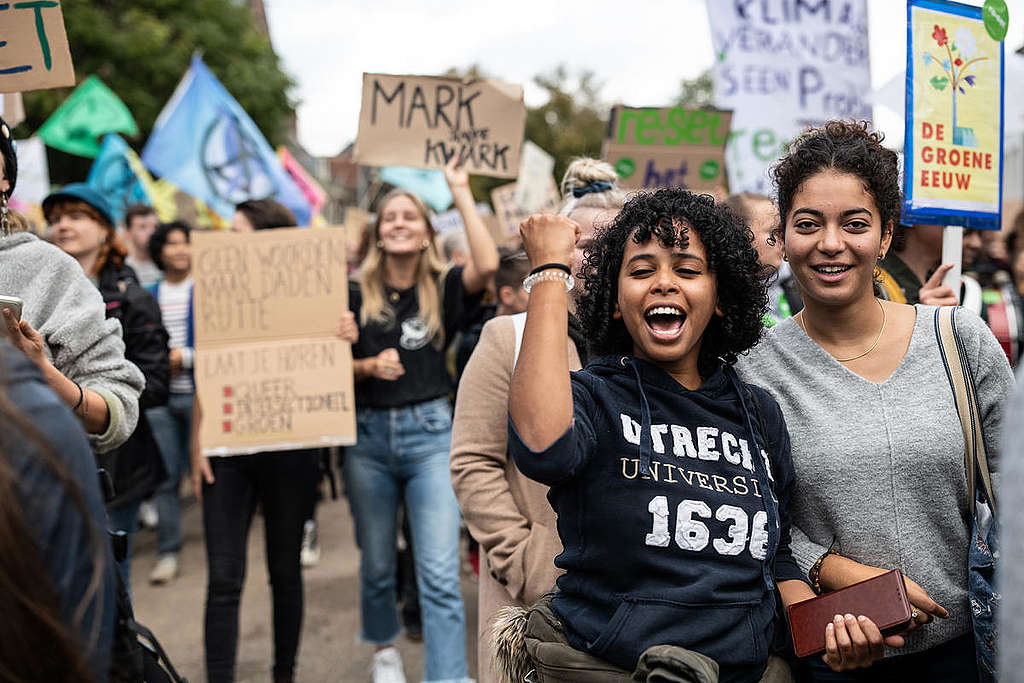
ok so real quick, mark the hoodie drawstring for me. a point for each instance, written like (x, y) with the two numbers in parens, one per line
(771, 508)
(646, 438)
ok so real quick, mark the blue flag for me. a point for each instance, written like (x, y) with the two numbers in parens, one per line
(204, 143)
(427, 184)
(118, 175)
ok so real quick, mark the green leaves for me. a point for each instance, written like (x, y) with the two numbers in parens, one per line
(939, 83)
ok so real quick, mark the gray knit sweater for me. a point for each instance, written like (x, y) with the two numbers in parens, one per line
(880, 466)
(67, 310)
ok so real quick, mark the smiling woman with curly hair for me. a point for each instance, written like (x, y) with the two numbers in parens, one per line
(670, 477)
(740, 285)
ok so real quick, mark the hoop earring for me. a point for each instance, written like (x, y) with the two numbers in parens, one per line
(5, 216)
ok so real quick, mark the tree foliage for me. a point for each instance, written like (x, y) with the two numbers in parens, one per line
(141, 49)
(696, 92)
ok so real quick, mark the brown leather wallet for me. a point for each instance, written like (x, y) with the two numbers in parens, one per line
(882, 599)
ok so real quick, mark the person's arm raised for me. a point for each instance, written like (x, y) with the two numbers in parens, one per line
(540, 396)
(483, 254)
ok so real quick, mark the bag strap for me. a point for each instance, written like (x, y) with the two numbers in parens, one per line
(965, 398)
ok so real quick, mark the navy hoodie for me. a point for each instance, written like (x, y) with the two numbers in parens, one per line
(669, 515)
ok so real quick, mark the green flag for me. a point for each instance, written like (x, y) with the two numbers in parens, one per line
(79, 124)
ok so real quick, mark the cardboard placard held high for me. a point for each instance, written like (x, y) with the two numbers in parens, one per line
(423, 121)
(34, 52)
(654, 147)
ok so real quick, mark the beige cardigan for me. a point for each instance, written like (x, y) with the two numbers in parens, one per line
(508, 514)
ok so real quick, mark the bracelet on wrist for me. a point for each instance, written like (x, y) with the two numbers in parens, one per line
(549, 275)
(552, 266)
(81, 397)
(815, 573)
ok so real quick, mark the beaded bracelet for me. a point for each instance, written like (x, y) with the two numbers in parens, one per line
(815, 573)
(551, 275)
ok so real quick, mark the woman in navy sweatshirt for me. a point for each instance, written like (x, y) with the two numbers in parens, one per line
(670, 477)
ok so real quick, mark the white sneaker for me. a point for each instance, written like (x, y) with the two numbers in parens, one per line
(387, 666)
(166, 569)
(148, 516)
(309, 556)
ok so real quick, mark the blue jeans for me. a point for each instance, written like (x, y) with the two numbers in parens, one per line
(172, 429)
(403, 453)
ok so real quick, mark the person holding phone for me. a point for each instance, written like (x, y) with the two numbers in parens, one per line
(63, 327)
(409, 305)
(82, 226)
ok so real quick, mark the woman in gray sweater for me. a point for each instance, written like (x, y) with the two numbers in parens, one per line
(876, 440)
(63, 326)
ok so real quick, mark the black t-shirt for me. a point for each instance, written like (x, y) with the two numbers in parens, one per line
(425, 375)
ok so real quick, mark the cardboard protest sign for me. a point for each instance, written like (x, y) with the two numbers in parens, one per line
(270, 372)
(535, 169)
(781, 66)
(954, 118)
(509, 214)
(451, 220)
(668, 147)
(34, 52)
(424, 121)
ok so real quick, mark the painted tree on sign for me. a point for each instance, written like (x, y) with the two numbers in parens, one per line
(961, 55)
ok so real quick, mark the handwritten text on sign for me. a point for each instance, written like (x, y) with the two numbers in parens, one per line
(34, 50)
(668, 147)
(425, 121)
(270, 372)
(782, 65)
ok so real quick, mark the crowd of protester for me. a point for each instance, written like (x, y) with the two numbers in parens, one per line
(661, 418)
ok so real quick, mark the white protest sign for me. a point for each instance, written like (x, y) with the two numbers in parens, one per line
(33, 171)
(782, 66)
(534, 181)
(451, 220)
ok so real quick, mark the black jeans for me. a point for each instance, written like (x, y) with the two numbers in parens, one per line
(951, 662)
(282, 484)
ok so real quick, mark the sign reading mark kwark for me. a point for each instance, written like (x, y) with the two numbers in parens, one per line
(270, 372)
(34, 50)
(668, 147)
(424, 121)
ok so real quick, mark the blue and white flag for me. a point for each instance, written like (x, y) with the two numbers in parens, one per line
(118, 175)
(204, 143)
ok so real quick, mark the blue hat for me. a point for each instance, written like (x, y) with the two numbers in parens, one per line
(80, 192)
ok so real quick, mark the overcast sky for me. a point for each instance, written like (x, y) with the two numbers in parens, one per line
(640, 49)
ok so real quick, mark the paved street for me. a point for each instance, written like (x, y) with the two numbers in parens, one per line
(329, 649)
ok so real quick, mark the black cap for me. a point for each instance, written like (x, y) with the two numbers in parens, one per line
(10, 156)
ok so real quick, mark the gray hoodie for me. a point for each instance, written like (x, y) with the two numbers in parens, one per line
(67, 310)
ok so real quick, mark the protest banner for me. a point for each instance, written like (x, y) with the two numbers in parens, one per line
(451, 220)
(534, 180)
(34, 53)
(954, 118)
(270, 372)
(668, 147)
(208, 146)
(782, 66)
(424, 121)
(509, 214)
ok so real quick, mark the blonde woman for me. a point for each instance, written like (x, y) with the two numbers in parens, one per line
(408, 306)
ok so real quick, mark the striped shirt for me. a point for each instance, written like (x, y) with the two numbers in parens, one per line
(174, 306)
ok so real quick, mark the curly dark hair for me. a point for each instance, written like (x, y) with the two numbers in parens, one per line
(731, 258)
(159, 239)
(846, 147)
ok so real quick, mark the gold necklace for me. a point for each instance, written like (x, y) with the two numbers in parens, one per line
(859, 355)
